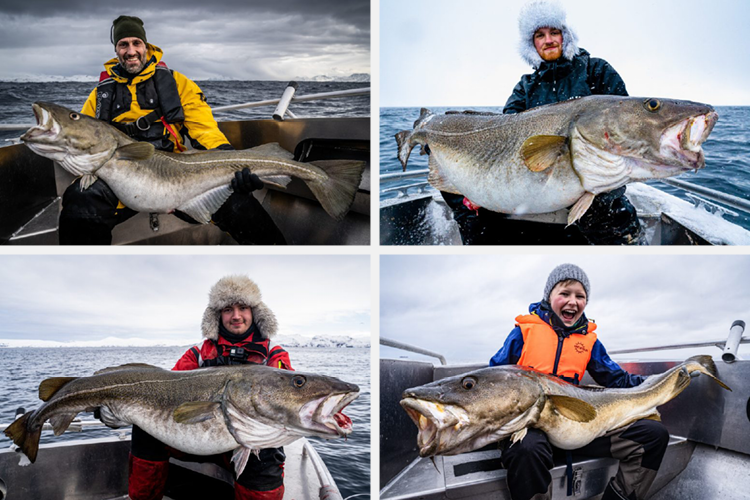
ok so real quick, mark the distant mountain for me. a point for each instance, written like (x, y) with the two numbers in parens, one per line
(286, 341)
(354, 77)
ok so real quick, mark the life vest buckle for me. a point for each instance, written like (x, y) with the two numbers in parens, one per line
(138, 124)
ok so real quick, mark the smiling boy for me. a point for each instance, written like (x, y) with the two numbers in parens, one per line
(556, 338)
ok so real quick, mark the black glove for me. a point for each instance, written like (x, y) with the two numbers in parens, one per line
(246, 182)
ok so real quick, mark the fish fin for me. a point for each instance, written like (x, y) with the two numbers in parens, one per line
(203, 206)
(19, 433)
(137, 151)
(336, 193)
(403, 140)
(50, 386)
(279, 181)
(437, 180)
(706, 367)
(240, 457)
(61, 422)
(127, 366)
(580, 207)
(108, 418)
(195, 412)
(432, 459)
(656, 416)
(573, 408)
(87, 180)
(540, 152)
(272, 149)
(518, 436)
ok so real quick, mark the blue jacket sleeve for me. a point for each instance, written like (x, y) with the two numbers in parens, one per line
(510, 353)
(607, 373)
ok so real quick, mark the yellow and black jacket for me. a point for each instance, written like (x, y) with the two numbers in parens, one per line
(154, 94)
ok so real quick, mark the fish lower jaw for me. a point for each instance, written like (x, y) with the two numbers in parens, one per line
(324, 416)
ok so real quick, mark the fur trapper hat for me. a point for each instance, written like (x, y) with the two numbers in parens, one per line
(544, 14)
(237, 289)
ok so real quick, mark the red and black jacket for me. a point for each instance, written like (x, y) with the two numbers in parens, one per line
(223, 352)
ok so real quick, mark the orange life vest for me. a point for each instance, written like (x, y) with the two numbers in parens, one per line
(543, 349)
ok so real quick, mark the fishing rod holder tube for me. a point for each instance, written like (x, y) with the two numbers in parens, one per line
(733, 342)
(285, 101)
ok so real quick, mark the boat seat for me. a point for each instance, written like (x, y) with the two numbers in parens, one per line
(480, 474)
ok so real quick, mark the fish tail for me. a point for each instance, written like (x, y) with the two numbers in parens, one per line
(704, 364)
(23, 437)
(336, 193)
(403, 139)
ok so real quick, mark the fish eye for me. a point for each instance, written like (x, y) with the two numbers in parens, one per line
(74, 116)
(298, 381)
(468, 383)
(652, 104)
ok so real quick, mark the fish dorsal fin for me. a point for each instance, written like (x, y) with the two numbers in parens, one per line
(50, 386)
(540, 152)
(272, 149)
(573, 408)
(438, 180)
(203, 206)
(195, 412)
(137, 151)
(580, 207)
(127, 366)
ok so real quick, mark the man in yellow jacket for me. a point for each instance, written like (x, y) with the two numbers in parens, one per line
(141, 96)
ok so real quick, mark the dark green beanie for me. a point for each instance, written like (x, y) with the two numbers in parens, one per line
(127, 26)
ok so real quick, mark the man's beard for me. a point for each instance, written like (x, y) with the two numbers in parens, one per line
(134, 70)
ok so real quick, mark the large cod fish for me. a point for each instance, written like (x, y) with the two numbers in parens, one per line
(203, 412)
(558, 155)
(148, 180)
(466, 412)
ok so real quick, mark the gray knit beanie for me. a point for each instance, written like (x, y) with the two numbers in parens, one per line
(567, 272)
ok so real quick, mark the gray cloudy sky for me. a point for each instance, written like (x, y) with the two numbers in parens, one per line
(232, 39)
(449, 53)
(464, 306)
(91, 297)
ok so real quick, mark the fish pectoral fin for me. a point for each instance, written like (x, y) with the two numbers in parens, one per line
(438, 180)
(137, 151)
(573, 408)
(195, 412)
(272, 149)
(203, 206)
(50, 386)
(518, 436)
(580, 207)
(540, 152)
(87, 180)
(61, 422)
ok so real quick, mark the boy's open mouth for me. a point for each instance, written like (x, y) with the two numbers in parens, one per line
(568, 314)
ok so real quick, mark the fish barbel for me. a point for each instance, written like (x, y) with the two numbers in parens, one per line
(202, 412)
(466, 412)
(148, 180)
(562, 154)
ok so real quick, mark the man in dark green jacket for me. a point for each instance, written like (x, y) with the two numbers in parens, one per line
(562, 71)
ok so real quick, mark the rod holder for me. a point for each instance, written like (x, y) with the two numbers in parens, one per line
(733, 342)
(284, 102)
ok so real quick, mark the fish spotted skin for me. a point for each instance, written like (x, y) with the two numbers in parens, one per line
(148, 180)
(554, 156)
(202, 412)
(466, 412)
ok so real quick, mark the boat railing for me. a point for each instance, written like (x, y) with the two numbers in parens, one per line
(696, 193)
(282, 104)
(729, 346)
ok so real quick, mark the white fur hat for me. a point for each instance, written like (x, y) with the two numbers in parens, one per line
(544, 14)
(237, 289)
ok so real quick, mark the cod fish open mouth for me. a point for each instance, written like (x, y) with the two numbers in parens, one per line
(325, 414)
(45, 125)
(685, 138)
(433, 420)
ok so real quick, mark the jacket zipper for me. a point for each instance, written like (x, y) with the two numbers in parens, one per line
(560, 340)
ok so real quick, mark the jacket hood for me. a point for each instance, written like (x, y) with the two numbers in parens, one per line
(153, 57)
(237, 289)
(544, 14)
